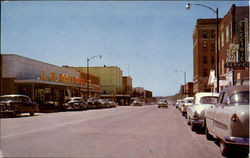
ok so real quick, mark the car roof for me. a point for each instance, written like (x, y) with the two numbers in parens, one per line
(14, 95)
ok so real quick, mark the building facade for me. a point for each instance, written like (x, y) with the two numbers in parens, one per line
(47, 84)
(127, 85)
(204, 53)
(234, 46)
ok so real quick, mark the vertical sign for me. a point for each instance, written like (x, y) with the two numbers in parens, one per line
(246, 41)
(241, 55)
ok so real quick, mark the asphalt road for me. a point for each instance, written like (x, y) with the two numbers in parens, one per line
(123, 132)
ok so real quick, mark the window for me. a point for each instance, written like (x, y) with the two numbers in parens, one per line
(204, 34)
(213, 59)
(225, 99)
(213, 47)
(212, 34)
(209, 100)
(204, 59)
(240, 98)
(222, 39)
(205, 46)
(205, 72)
(227, 34)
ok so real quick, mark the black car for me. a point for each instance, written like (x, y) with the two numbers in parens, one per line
(16, 104)
(75, 103)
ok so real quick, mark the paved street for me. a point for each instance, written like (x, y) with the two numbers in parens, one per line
(121, 132)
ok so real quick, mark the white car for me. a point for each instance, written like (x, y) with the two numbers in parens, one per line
(188, 101)
(196, 112)
(228, 121)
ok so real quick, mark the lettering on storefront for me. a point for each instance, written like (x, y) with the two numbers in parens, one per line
(62, 78)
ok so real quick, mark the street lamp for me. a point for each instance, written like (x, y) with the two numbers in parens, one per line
(217, 34)
(88, 59)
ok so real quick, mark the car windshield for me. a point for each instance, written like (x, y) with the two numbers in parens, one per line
(189, 101)
(208, 100)
(75, 100)
(240, 98)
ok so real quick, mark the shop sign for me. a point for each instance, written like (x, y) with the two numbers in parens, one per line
(62, 78)
(241, 57)
(237, 58)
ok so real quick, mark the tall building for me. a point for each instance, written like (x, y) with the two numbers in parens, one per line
(110, 78)
(127, 85)
(204, 53)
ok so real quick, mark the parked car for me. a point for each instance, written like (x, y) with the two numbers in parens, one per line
(16, 104)
(177, 103)
(112, 103)
(104, 103)
(75, 103)
(188, 101)
(196, 112)
(94, 103)
(163, 103)
(228, 121)
(137, 102)
(180, 104)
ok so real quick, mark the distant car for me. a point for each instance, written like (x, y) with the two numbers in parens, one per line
(228, 121)
(137, 102)
(188, 101)
(75, 103)
(112, 103)
(196, 112)
(163, 103)
(94, 103)
(104, 103)
(16, 104)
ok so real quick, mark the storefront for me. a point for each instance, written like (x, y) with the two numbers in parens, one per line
(49, 85)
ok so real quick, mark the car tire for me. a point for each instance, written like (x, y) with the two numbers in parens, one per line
(208, 135)
(224, 149)
(193, 127)
(188, 121)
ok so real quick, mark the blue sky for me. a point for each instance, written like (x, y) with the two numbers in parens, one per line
(147, 40)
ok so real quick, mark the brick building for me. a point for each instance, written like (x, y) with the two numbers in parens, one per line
(204, 53)
(230, 31)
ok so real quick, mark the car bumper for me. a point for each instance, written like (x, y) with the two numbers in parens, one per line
(237, 140)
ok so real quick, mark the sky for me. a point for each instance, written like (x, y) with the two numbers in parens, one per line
(149, 40)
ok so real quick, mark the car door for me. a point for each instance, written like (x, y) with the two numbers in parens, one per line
(210, 113)
(221, 119)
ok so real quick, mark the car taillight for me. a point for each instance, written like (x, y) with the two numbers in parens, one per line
(234, 118)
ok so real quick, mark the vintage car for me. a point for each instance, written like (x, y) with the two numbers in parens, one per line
(163, 103)
(137, 102)
(105, 103)
(196, 112)
(188, 101)
(228, 121)
(94, 103)
(75, 103)
(112, 103)
(16, 104)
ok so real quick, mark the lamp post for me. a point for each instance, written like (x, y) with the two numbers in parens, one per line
(88, 59)
(217, 35)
